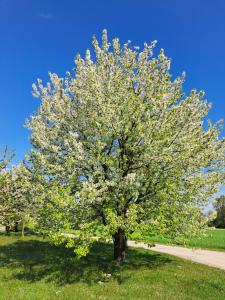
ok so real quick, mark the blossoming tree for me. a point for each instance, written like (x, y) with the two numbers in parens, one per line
(16, 195)
(119, 144)
(5, 157)
(5, 211)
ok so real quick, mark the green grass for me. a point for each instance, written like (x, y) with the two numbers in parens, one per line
(33, 269)
(213, 239)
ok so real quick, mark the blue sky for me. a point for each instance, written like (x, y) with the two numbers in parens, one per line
(41, 36)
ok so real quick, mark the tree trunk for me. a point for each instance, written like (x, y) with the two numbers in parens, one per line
(120, 245)
(23, 227)
(7, 229)
(16, 227)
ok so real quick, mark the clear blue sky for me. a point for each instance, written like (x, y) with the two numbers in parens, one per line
(41, 36)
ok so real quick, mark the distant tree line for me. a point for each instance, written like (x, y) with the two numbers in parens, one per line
(218, 217)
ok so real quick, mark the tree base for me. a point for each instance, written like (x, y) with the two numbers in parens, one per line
(7, 229)
(120, 246)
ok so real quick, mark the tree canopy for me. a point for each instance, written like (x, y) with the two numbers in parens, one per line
(119, 147)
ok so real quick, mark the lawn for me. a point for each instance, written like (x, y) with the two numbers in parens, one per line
(213, 239)
(33, 269)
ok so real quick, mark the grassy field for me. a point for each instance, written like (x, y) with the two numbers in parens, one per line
(32, 269)
(212, 239)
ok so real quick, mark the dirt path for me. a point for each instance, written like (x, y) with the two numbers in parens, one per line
(206, 257)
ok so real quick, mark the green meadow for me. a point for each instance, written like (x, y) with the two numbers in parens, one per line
(213, 239)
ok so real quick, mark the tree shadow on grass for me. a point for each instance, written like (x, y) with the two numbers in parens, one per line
(33, 260)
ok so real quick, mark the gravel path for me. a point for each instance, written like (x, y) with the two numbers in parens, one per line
(206, 257)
